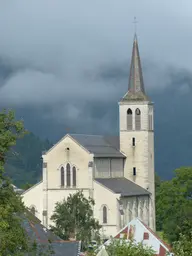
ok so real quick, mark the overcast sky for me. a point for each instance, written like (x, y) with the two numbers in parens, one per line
(65, 54)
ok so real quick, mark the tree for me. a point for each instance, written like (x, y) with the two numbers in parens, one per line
(13, 238)
(123, 248)
(183, 247)
(174, 205)
(26, 186)
(73, 218)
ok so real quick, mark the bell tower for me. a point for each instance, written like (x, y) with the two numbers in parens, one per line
(137, 132)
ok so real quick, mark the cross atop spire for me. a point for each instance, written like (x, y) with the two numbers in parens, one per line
(136, 89)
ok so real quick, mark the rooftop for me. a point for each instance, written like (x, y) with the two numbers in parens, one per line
(99, 145)
(43, 237)
(123, 186)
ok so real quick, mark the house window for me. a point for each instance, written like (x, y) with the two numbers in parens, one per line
(104, 214)
(134, 171)
(62, 177)
(137, 119)
(146, 236)
(133, 142)
(129, 119)
(74, 177)
(68, 175)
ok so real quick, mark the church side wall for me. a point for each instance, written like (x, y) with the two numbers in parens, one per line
(108, 167)
(33, 197)
(135, 207)
(104, 197)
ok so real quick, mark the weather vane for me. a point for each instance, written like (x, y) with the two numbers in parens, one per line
(135, 24)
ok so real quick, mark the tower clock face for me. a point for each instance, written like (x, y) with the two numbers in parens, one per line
(137, 111)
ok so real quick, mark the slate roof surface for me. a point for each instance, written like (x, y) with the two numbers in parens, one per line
(100, 146)
(123, 186)
(42, 236)
(136, 89)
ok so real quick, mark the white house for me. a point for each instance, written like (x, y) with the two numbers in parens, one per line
(138, 231)
(117, 172)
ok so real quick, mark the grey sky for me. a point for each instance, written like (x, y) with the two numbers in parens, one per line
(60, 51)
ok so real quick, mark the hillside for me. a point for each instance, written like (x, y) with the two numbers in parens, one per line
(24, 161)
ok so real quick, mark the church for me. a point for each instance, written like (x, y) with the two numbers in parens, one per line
(116, 171)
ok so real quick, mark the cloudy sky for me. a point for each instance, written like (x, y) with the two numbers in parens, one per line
(66, 62)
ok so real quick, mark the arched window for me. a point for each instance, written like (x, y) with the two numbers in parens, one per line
(68, 175)
(104, 214)
(62, 177)
(129, 119)
(74, 177)
(137, 119)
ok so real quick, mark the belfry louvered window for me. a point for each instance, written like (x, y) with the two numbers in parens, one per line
(137, 119)
(129, 119)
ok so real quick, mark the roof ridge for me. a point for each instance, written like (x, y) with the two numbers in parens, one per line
(85, 134)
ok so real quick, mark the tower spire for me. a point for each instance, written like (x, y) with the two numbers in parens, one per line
(136, 89)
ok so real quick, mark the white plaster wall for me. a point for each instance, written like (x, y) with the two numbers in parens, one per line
(108, 167)
(117, 167)
(103, 196)
(137, 156)
(34, 197)
(102, 167)
(76, 156)
(153, 241)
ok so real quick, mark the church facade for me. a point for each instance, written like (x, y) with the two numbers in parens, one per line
(117, 172)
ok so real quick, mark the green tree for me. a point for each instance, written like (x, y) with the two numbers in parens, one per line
(122, 248)
(13, 238)
(183, 247)
(73, 218)
(12, 235)
(26, 186)
(174, 205)
(157, 182)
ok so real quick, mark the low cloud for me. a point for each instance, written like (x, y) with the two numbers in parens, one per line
(67, 63)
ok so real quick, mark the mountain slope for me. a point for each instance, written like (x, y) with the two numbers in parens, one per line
(24, 161)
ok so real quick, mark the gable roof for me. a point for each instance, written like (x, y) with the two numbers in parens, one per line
(155, 235)
(123, 186)
(140, 232)
(99, 145)
(42, 236)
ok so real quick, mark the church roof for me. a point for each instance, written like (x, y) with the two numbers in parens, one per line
(136, 89)
(123, 186)
(100, 146)
(43, 237)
